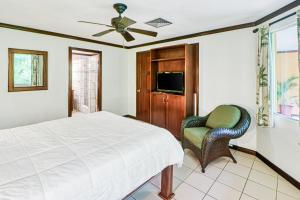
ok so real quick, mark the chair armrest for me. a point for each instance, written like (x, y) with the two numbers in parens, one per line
(218, 133)
(193, 121)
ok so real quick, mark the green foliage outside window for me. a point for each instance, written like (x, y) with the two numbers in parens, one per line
(22, 70)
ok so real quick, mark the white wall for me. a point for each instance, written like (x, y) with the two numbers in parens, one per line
(22, 108)
(227, 74)
(281, 145)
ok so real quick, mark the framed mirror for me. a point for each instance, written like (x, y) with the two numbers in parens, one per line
(28, 70)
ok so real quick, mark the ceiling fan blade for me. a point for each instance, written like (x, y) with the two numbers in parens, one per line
(128, 37)
(127, 22)
(141, 31)
(103, 32)
(95, 23)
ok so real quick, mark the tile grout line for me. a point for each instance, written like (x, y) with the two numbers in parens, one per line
(216, 179)
(238, 176)
(263, 185)
(263, 172)
(247, 178)
(182, 181)
(194, 170)
(251, 168)
(206, 194)
(267, 167)
(247, 181)
(287, 194)
(277, 187)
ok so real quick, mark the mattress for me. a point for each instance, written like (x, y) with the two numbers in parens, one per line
(99, 156)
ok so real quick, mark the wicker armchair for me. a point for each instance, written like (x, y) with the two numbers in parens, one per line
(215, 141)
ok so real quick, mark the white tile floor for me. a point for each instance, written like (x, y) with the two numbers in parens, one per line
(249, 179)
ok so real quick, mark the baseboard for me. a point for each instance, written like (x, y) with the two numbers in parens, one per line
(242, 149)
(282, 173)
(129, 116)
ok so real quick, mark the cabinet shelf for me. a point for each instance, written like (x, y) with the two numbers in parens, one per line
(168, 59)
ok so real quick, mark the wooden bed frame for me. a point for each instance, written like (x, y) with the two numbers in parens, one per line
(166, 191)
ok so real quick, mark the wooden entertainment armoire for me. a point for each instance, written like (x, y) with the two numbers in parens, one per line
(167, 110)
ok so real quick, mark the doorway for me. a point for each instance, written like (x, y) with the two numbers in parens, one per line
(85, 81)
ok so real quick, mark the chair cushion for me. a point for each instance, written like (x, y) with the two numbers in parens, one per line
(224, 116)
(196, 135)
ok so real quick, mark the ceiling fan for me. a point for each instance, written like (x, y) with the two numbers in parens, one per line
(121, 25)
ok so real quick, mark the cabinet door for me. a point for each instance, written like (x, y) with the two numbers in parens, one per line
(174, 114)
(158, 109)
(143, 86)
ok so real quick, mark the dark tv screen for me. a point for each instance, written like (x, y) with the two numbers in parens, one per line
(172, 82)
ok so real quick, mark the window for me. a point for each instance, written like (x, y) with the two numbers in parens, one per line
(27, 70)
(285, 72)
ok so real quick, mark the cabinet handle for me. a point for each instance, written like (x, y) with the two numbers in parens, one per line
(138, 90)
(165, 100)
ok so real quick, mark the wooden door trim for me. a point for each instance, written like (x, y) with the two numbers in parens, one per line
(166, 101)
(197, 75)
(136, 82)
(99, 89)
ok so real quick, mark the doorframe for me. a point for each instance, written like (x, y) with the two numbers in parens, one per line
(99, 89)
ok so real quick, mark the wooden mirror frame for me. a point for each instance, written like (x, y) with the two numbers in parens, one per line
(11, 87)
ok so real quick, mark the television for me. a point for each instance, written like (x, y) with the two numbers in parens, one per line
(170, 82)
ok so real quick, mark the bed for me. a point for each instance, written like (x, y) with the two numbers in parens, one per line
(99, 156)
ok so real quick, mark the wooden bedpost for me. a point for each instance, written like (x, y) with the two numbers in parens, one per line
(167, 183)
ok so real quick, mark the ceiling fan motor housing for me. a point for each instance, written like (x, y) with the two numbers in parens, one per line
(115, 22)
(120, 7)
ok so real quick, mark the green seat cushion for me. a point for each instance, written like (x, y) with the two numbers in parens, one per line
(224, 116)
(196, 135)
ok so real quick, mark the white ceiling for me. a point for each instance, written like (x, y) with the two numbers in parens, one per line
(188, 16)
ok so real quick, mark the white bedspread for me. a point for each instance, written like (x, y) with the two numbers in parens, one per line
(98, 156)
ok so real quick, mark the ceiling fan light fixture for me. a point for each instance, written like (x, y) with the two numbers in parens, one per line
(159, 22)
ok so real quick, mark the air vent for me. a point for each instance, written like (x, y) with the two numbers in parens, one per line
(159, 22)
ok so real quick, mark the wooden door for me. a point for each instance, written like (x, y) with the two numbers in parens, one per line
(174, 114)
(143, 86)
(158, 109)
